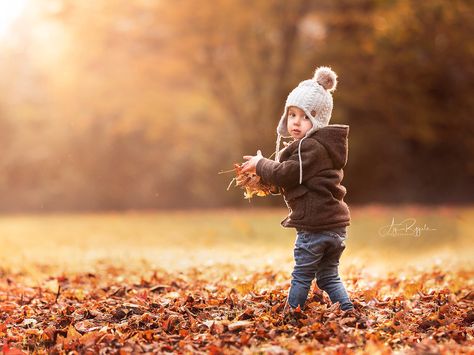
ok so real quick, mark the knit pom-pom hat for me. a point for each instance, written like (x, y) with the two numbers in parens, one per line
(313, 96)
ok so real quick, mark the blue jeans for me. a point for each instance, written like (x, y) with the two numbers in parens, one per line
(317, 255)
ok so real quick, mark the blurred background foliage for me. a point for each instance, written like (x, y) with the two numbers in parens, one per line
(139, 104)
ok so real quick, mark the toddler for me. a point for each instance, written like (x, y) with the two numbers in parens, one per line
(308, 173)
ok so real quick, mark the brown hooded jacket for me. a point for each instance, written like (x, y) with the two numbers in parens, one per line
(317, 203)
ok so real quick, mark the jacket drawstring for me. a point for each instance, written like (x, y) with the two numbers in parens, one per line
(277, 149)
(301, 162)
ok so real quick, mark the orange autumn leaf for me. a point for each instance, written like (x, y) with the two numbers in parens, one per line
(251, 183)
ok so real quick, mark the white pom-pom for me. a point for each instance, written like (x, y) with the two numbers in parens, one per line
(326, 77)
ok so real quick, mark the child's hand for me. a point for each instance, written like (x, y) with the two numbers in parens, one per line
(251, 164)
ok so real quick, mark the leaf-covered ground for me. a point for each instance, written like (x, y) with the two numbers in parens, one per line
(224, 309)
(215, 281)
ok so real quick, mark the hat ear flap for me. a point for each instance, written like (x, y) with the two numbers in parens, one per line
(282, 128)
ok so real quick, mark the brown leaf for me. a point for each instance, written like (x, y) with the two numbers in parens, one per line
(239, 325)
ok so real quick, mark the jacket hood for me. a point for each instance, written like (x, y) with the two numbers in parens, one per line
(335, 139)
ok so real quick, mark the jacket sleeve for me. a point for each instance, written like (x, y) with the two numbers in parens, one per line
(287, 173)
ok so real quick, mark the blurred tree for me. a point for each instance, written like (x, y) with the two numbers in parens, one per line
(244, 53)
(407, 80)
(426, 74)
(139, 104)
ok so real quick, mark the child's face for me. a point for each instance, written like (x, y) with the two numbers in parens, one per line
(297, 122)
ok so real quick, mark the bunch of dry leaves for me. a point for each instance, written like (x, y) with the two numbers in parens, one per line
(251, 183)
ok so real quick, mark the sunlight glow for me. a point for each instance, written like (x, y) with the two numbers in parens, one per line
(9, 12)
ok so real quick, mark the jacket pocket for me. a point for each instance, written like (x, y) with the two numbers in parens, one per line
(297, 204)
(291, 194)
